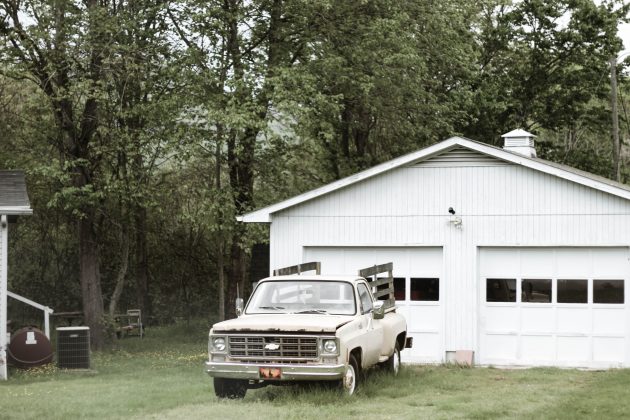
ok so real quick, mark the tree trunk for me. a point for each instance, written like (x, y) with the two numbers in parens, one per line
(91, 280)
(236, 275)
(616, 144)
(142, 264)
(220, 259)
(122, 271)
(221, 275)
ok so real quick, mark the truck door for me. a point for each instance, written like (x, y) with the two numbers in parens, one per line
(373, 329)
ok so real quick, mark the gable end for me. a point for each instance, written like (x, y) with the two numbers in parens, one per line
(459, 157)
(466, 153)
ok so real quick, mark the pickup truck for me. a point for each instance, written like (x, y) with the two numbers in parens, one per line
(308, 328)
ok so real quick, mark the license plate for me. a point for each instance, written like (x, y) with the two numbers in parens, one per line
(270, 373)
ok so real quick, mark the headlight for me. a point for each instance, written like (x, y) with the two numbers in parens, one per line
(218, 343)
(330, 346)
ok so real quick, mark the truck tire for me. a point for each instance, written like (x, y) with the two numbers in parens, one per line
(350, 380)
(392, 364)
(230, 388)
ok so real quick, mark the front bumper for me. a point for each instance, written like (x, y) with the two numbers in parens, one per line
(290, 372)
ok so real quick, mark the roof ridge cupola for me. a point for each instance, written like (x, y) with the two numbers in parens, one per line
(519, 141)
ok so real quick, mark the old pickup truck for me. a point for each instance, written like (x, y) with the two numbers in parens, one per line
(300, 327)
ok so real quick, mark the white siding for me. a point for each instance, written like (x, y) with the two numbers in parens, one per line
(500, 205)
(506, 190)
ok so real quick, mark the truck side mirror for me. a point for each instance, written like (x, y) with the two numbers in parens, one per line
(378, 312)
(239, 306)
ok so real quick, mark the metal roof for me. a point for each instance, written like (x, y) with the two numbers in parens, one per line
(263, 215)
(570, 169)
(13, 196)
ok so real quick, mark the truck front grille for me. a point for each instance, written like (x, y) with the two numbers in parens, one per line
(273, 349)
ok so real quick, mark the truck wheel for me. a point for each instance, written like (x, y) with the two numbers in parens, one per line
(230, 388)
(393, 363)
(351, 378)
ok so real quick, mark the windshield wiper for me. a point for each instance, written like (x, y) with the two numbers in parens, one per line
(312, 311)
(276, 308)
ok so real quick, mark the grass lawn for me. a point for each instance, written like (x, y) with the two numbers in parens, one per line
(162, 376)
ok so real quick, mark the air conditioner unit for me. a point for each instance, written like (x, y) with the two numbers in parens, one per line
(73, 347)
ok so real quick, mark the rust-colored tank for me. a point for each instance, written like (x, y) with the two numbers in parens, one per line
(29, 348)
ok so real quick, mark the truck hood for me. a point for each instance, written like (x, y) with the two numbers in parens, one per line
(283, 323)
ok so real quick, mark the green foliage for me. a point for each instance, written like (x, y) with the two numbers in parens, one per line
(161, 122)
(389, 77)
(543, 64)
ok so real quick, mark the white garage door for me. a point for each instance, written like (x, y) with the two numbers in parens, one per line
(418, 283)
(554, 306)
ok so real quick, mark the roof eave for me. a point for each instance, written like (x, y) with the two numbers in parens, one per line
(255, 217)
(16, 211)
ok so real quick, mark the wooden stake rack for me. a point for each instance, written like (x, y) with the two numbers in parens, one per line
(382, 287)
(298, 269)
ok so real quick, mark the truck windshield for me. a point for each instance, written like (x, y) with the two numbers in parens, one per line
(304, 296)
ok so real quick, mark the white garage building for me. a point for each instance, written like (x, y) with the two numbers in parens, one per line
(530, 270)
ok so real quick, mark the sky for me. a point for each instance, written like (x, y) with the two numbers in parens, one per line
(624, 34)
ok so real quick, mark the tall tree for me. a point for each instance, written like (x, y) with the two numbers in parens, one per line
(385, 78)
(143, 98)
(541, 64)
(237, 51)
(61, 46)
(102, 71)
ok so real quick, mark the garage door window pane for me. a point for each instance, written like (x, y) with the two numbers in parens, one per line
(500, 290)
(536, 291)
(572, 291)
(427, 289)
(608, 291)
(399, 288)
